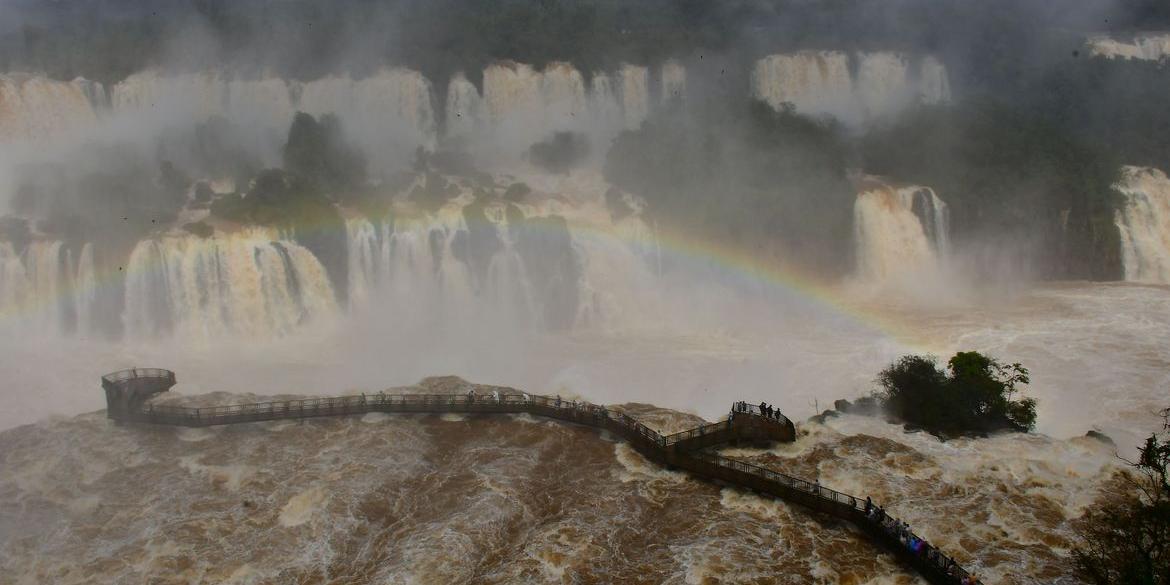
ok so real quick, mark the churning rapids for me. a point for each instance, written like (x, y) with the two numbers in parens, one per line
(569, 298)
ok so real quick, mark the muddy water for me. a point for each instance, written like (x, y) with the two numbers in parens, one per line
(430, 499)
(391, 499)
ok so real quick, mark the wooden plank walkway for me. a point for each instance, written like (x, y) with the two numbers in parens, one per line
(128, 393)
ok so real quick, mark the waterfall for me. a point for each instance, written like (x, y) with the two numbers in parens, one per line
(674, 81)
(36, 109)
(880, 84)
(1143, 46)
(521, 105)
(1144, 225)
(898, 231)
(247, 283)
(44, 290)
(550, 262)
(812, 81)
(423, 269)
(85, 291)
(635, 94)
(388, 113)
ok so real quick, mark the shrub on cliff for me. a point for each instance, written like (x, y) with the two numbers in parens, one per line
(975, 394)
(560, 153)
(1125, 537)
(318, 152)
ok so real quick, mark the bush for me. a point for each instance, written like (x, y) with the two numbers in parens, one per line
(1126, 538)
(279, 199)
(318, 152)
(974, 395)
(200, 229)
(560, 153)
(516, 192)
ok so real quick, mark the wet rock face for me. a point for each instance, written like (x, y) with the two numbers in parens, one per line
(546, 247)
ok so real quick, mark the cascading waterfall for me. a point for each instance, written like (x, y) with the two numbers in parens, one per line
(1144, 225)
(35, 108)
(539, 264)
(826, 82)
(1142, 46)
(674, 81)
(389, 113)
(44, 290)
(421, 268)
(246, 283)
(898, 231)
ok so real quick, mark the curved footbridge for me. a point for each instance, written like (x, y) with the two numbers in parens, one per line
(128, 395)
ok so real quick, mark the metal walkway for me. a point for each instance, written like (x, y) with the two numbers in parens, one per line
(128, 393)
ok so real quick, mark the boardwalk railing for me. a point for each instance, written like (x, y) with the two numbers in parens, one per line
(128, 393)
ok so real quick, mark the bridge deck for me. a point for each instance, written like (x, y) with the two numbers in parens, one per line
(128, 394)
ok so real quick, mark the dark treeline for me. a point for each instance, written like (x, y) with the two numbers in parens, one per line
(990, 43)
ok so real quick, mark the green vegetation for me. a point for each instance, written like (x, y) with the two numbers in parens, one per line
(516, 192)
(199, 228)
(320, 169)
(1125, 537)
(15, 231)
(277, 198)
(744, 173)
(560, 153)
(317, 152)
(974, 395)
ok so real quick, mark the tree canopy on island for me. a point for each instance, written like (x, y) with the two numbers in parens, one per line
(974, 394)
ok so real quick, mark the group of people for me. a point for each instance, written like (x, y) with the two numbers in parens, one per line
(901, 530)
(766, 410)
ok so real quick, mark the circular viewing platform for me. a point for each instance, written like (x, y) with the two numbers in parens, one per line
(126, 390)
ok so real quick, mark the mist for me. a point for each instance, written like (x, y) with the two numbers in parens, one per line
(530, 177)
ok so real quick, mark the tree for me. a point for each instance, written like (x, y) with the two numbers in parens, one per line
(975, 394)
(1126, 538)
(318, 152)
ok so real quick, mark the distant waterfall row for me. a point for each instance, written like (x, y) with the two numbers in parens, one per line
(899, 231)
(389, 113)
(1140, 46)
(1144, 225)
(393, 110)
(854, 88)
